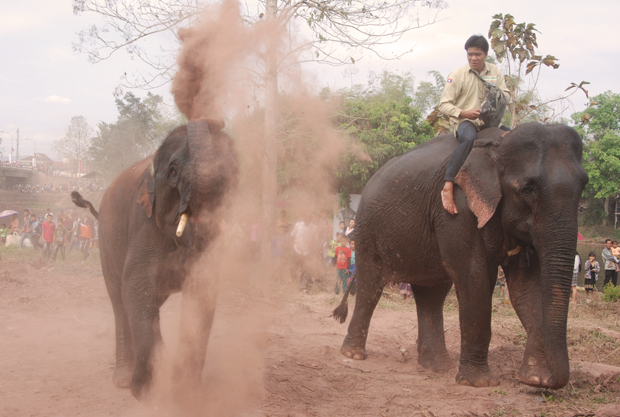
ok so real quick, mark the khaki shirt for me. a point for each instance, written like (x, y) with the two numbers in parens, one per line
(464, 91)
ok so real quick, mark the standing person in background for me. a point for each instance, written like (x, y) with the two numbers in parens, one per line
(27, 221)
(615, 251)
(3, 233)
(48, 228)
(352, 282)
(36, 232)
(501, 283)
(342, 227)
(27, 232)
(592, 268)
(611, 264)
(576, 271)
(343, 256)
(60, 239)
(350, 232)
(86, 233)
(76, 233)
(332, 248)
(304, 239)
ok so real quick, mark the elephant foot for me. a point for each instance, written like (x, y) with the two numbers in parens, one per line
(122, 376)
(535, 373)
(438, 363)
(357, 353)
(476, 378)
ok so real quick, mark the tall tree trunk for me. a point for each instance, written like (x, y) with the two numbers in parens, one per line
(271, 121)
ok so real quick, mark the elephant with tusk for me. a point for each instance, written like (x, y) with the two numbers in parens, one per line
(155, 221)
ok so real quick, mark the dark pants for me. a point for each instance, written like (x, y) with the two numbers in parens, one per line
(47, 250)
(56, 249)
(84, 245)
(611, 275)
(466, 133)
(300, 262)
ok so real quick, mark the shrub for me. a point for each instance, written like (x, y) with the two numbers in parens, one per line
(611, 293)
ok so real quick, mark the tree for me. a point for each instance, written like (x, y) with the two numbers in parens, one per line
(382, 123)
(342, 30)
(141, 126)
(599, 126)
(76, 142)
(514, 45)
(428, 94)
(357, 26)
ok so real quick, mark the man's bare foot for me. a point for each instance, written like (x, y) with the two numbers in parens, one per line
(447, 198)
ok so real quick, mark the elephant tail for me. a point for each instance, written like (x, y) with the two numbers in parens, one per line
(79, 201)
(340, 313)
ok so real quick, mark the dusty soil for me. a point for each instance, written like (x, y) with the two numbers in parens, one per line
(274, 351)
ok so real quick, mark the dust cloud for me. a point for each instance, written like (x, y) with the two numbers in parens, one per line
(221, 66)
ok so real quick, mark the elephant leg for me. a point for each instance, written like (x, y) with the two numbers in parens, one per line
(123, 368)
(526, 298)
(141, 303)
(432, 352)
(369, 289)
(474, 289)
(197, 313)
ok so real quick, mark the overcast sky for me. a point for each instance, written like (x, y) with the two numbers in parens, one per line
(43, 83)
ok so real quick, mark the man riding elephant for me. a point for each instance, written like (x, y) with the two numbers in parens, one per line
(473, 101)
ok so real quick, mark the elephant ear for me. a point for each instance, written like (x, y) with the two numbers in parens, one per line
(146, 191)
(479, 180)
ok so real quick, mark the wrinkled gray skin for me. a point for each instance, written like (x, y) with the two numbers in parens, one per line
(142, 259)
(522, 190)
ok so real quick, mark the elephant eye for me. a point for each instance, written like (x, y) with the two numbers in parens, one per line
(172, 174)
(528, 189)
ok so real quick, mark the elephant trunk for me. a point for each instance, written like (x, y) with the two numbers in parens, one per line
(201, 158)
(556, 248)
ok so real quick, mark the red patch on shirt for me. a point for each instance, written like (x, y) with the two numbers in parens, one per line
(449, 80)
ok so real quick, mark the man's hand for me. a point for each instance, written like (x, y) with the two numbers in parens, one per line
(470, 114)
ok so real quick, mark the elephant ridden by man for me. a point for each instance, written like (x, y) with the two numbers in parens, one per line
(474, 99)
(517, 195)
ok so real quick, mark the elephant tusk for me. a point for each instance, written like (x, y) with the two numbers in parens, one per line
(514, 251)
(182, 224)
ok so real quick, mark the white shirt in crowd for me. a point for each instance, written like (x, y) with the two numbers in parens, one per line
(303, 237)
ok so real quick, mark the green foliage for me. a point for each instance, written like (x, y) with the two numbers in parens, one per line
(611, 293)
(601, 117)
(428, 94)
(599, 126)
(141, 126)
(382, 121)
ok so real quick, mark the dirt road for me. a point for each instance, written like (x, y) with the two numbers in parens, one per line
(274, 351)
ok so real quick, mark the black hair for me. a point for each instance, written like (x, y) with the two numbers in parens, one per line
(614, 241)
(607, 240)
(591, 254)
(477, 41)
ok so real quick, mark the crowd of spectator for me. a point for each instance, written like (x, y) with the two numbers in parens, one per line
(51, 234)
(611, 258)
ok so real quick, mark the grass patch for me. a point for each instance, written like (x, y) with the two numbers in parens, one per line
(35, 256)
(611, 293)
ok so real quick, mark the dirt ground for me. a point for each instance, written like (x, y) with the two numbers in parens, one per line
(274, 351)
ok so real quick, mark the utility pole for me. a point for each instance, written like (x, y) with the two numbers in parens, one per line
(17, 147)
